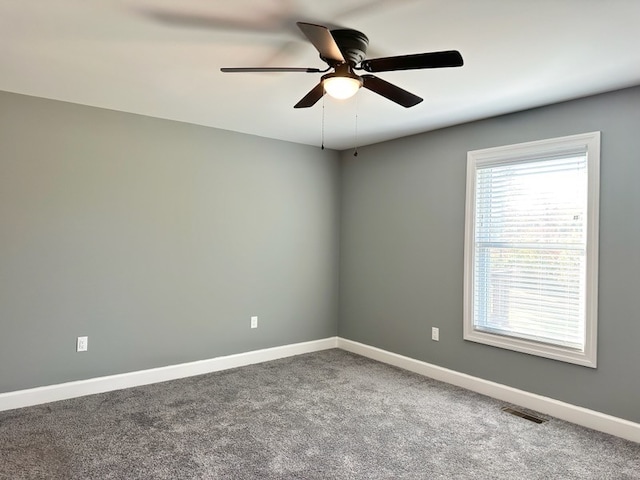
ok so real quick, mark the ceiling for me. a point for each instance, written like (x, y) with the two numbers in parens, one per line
(162, 58)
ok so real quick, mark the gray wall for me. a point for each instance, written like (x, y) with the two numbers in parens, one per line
(159, 240)
(156, 239)
(402, 234)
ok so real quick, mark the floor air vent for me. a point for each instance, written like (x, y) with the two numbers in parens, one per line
(525, 415)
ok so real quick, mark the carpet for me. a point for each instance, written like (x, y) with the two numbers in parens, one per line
(324, 415)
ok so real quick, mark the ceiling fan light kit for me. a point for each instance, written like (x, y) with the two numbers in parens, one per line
(342, 83)
(342, 87)
(344, 50)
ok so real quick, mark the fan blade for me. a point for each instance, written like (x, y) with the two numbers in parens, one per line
(324, 42)
(449, 58)
(210, 22)
(390, 91)
(312, 97)
(269, 69)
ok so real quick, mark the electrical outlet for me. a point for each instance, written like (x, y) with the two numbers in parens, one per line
(82, 345)
(254, 322)
(435, 334)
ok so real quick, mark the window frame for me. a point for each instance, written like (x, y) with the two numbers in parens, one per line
(519, 153)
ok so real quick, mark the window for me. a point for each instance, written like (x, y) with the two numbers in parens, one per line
(531, 247)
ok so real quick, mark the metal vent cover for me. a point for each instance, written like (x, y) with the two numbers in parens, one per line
(522, 414)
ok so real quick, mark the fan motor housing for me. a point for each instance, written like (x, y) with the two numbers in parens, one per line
(352, 43)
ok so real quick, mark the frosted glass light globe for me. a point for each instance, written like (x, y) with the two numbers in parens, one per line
(342, 87)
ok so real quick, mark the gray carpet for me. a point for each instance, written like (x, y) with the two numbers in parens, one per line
(326, 415)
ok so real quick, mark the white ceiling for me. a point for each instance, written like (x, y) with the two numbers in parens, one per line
(162, 58)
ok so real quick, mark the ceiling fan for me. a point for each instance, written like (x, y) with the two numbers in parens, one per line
(344, 51)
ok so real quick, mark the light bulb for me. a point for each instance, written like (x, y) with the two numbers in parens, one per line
(341, 87)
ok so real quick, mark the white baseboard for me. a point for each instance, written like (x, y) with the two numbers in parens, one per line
(564, 411)
(63, 391)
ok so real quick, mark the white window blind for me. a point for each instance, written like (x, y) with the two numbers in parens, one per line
(531, 248)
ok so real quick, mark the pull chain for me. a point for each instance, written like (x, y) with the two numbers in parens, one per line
(322, 147)
(355, 151)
